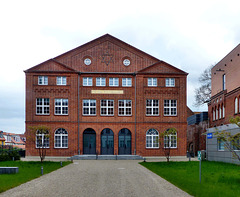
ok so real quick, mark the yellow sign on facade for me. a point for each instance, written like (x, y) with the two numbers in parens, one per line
(107, 91)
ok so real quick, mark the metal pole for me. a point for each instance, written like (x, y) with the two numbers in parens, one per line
(200, 171)
(41, 170)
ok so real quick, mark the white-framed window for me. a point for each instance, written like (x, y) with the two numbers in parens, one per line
(216, 113)
(107, 107)
(42, 106)
(42, 80)
(126, 82)
(223, 111)
(87, 81)
(224, 81)
(221, 145)
(101, 81)
(124, 107)
(61, 138)
(152, 107)
(236, 106)
(235, 144)
(61, 80)
(89, 107)
(152, 82)
(152, 139)
(220, 112)
(61, 106)
(170, 141)
(213, 114)
(42, 139)
(113, 81)
(170, 82)
(170, 107)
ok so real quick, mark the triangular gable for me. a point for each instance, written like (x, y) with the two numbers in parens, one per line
(51, 65)
(162, 67)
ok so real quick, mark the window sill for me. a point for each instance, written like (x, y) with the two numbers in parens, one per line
(61, 147)
(152, 147)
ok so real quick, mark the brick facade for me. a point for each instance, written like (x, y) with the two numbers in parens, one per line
(222, 105)
(107, 54)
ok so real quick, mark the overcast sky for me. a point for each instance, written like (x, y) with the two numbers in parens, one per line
(190, 35)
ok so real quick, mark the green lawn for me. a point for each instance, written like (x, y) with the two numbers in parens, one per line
(218, 179)
(27, 172)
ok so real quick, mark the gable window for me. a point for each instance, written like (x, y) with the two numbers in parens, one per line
(216, 113)
(213, 114)
(170, 82)
(220, 112)
(42, 80)
(126, 82)
(61, 80)
(152, 107)
(107, 107)
(42, 106)
(61, 106)
(113, 82)
(152, 138)
(170, 107)
(89, 107)
(236, 106)
(42, 139)
(61, 138)
(170, 141)
(101, 81)
(87, 81)
(152, 82)
(224, 81)
(124, 107)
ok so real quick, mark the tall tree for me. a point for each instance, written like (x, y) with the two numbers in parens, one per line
(203, 93)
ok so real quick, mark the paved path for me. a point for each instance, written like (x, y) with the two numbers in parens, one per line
(99, 178)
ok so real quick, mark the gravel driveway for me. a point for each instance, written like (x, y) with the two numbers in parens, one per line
(100, 178)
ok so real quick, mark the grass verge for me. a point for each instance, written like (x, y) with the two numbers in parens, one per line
(27, 172)
(218, 179)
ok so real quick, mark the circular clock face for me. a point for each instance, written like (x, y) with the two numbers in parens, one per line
(87, 61)
(126, 62)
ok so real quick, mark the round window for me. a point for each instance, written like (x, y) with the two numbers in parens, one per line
(126, 62)
(87, 61)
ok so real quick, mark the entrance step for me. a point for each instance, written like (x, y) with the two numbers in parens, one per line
(106, 157)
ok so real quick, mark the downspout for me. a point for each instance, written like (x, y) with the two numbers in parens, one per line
(135, 105)
(78, 112)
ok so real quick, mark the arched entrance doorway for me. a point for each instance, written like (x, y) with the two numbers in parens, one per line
(89, 142)
(107, 142)
(124, 142)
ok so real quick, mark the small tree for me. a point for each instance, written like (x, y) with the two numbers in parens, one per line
(39, 135)
(231, 141)
(167, 140)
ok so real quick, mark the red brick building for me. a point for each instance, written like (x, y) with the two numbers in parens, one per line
(106, 97)
(225, 98)
(224, 104)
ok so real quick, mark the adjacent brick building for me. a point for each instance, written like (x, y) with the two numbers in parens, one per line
(106, 97)
(224, 104)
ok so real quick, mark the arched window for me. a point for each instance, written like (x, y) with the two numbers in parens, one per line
(220, 112)
(223, 111)
(152, 138)
(42, 139)
(236, 106)
(216, 113)
(213, 115)
(170, 140)
(61, 138)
